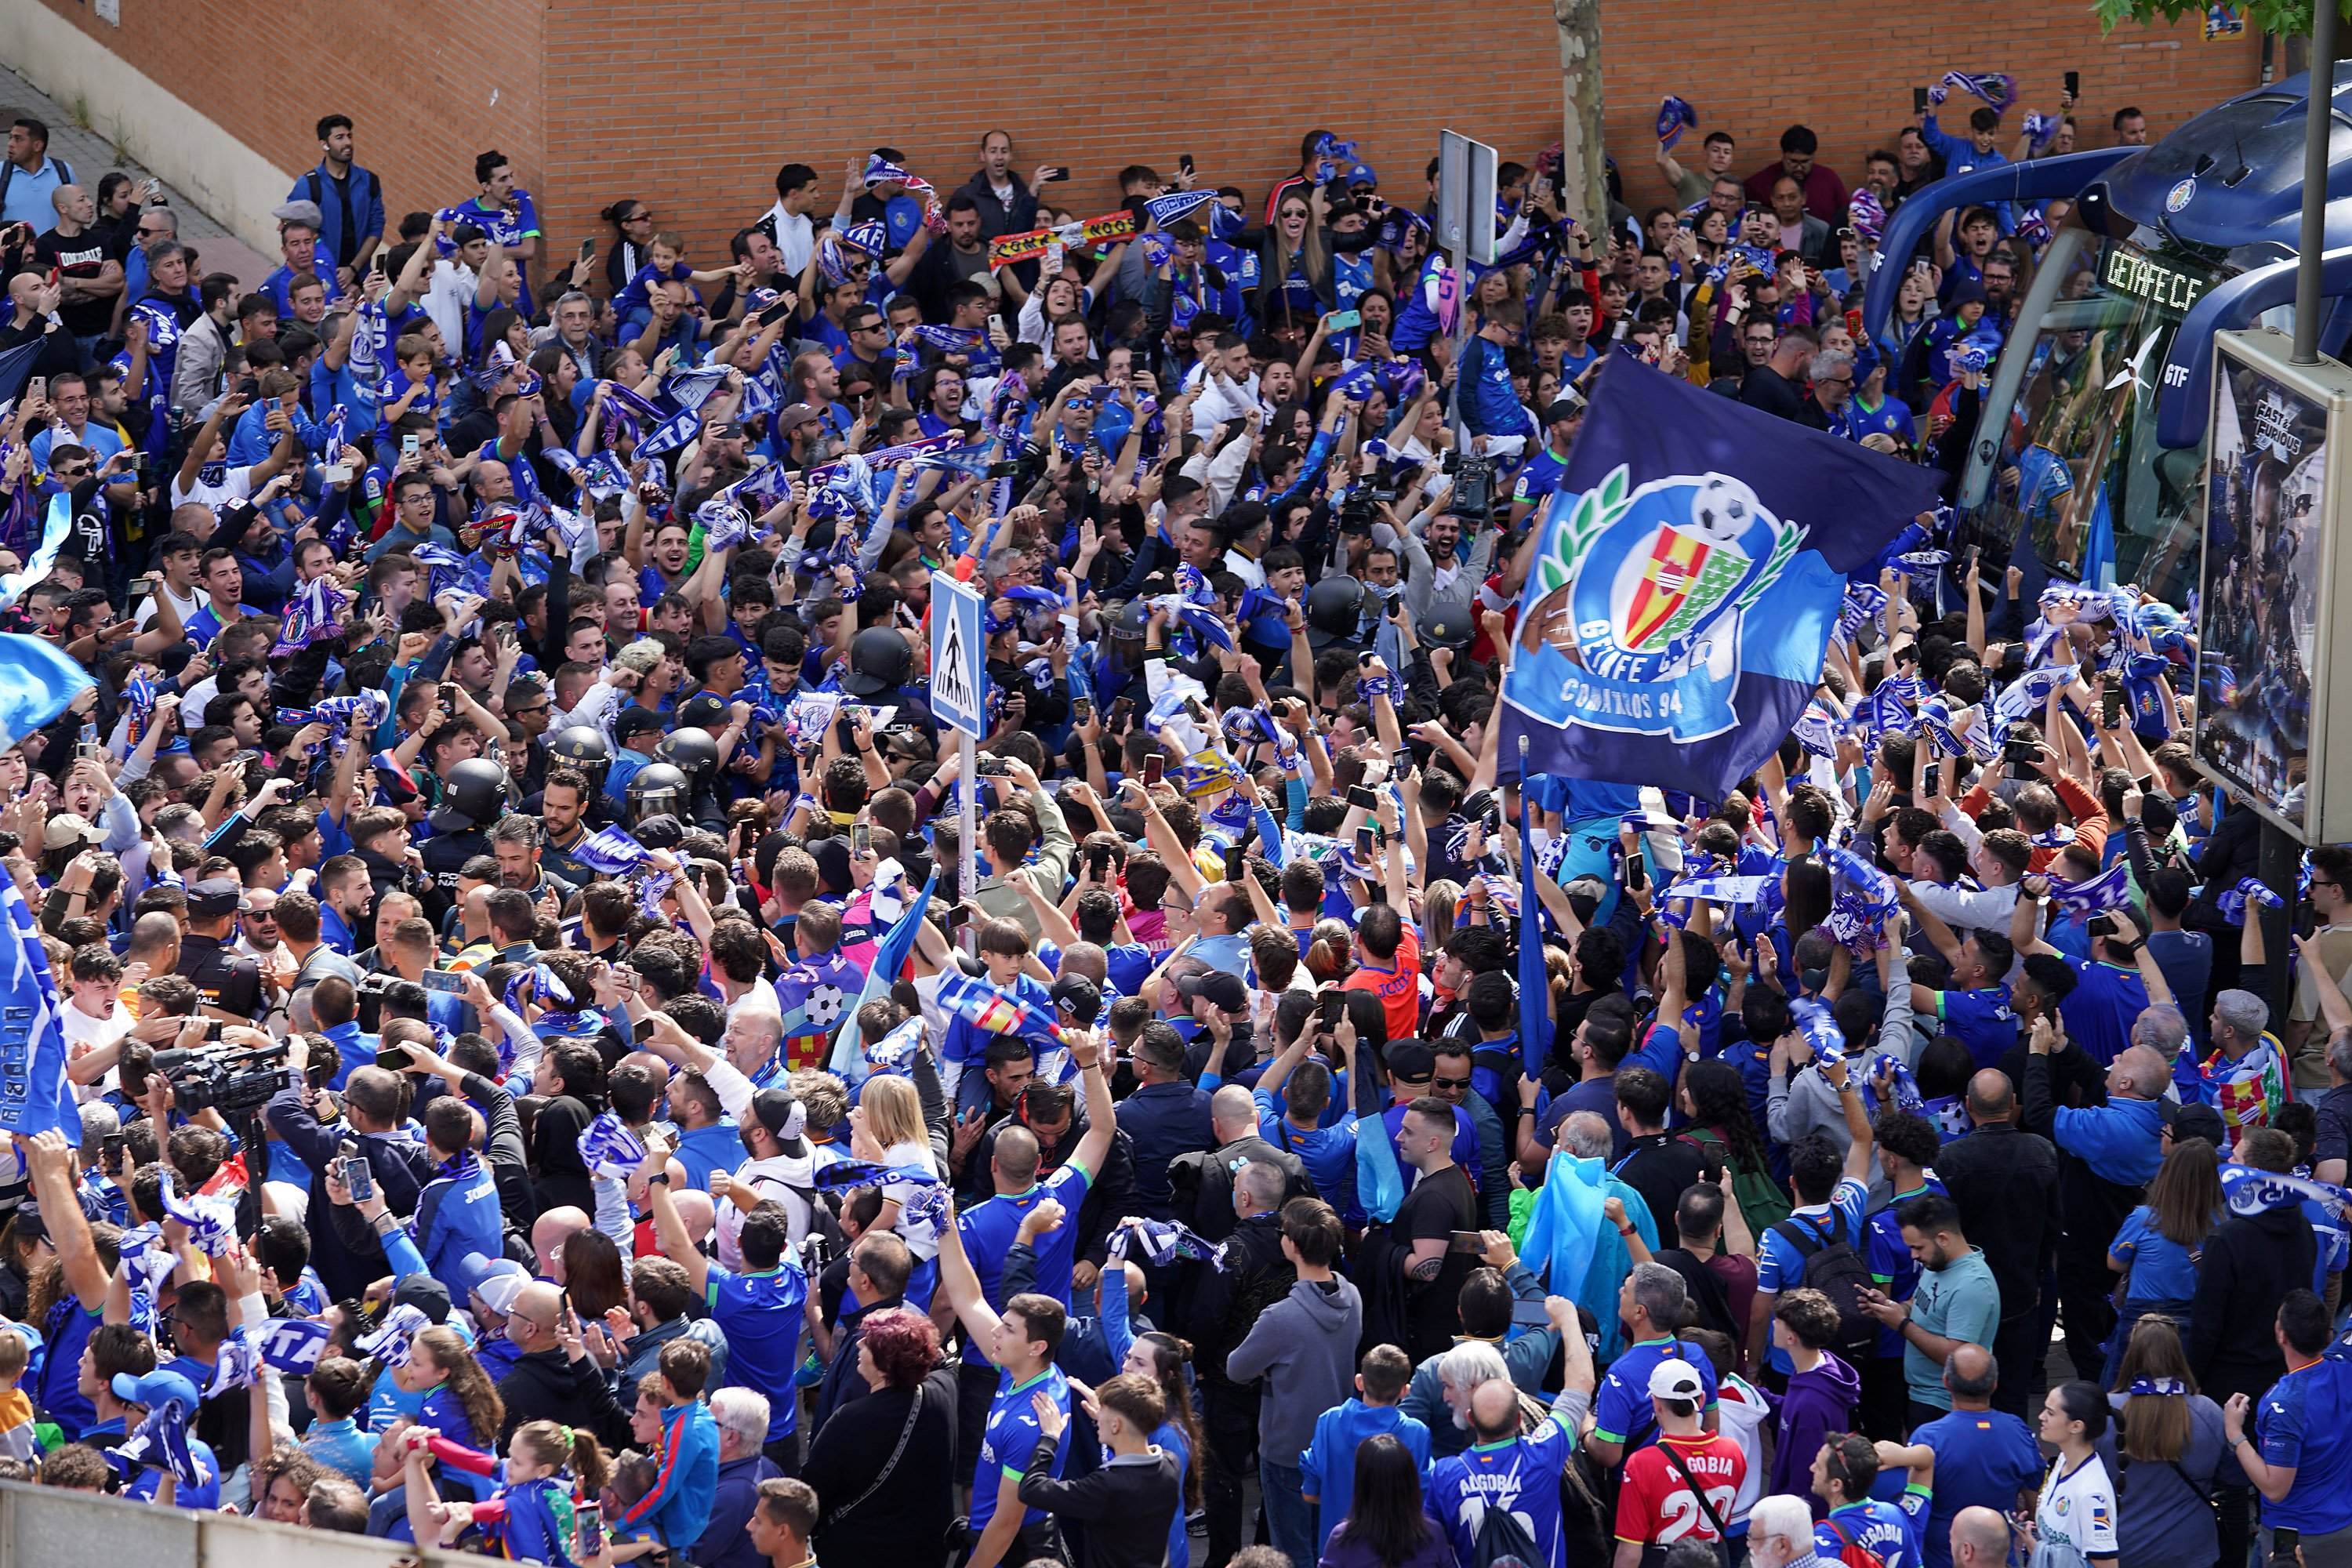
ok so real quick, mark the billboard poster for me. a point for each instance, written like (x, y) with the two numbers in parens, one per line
(2258, 618)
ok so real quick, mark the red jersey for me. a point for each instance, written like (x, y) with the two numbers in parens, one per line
(1397, 983)
(1656, 1507)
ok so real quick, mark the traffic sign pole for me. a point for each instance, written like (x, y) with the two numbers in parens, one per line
(960, 702)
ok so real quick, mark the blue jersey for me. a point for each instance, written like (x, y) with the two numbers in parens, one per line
(1520, 1477)
(2305, 1424)
(1890, 1529)
(1781, 1266)
(1327, 1152)
(1889, 1259)
(1622, 1408)
(1980, 1020)
(760, 1315)
(1983, 1459)
(1011, 1437)
(987, 1230)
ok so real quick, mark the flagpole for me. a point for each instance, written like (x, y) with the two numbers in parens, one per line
(967, 821)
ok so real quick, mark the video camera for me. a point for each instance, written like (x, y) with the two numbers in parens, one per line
(226, 1082)
(1473, 483)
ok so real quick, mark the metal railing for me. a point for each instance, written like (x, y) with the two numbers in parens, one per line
(42, 1527)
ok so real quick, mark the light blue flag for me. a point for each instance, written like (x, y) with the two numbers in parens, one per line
(34, 1095)
(889, 956)
(36, 683)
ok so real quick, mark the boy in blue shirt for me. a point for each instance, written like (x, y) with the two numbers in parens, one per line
(1844, 1473)
(1329, 1465)
(1291, 1099)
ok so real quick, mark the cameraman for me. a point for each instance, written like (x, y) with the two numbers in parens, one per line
(315, 1124)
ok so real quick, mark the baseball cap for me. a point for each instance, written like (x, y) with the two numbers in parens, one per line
(211, 899)
(1567, 406)
(425, 1293)
(782, 1114)
(661, 831)
(794, 416)
(1076, 994)
(159, 1387)
(66, 830)
(496, 1282)
(1676, 1380)
(391, 780)
(2199, 1122)
(703, 711)
(634, 721)
(1226, 990)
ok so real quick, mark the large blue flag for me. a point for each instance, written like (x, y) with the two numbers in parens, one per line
(1686, 580)
(889, 956)
(36, 683)
(34, 1094)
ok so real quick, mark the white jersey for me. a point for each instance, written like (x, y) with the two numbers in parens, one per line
(2075, 1519)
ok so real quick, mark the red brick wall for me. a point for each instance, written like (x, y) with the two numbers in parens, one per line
(587, 92)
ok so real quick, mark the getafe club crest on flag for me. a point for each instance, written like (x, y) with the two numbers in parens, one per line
(1685, 583)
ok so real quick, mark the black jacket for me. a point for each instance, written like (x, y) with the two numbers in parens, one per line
(2005, 1182)
(2250, 1265)
(907, 1517)
(401, 1170)
(1208, 1179)
(545, 1386)
(1126, 1504)
(1219, 1304)
(998, 217)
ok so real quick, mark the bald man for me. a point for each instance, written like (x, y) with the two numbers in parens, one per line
(549, 1232)
(1232, 1120)
(1460, 1485)
(1983, 1457)
(2005, 1181)
(544, 1385)
(1979, 1538)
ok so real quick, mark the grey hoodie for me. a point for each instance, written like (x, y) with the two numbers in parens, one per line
(1305, 1347)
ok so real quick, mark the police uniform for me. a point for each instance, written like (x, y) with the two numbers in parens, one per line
(228, 981)
(444, 853)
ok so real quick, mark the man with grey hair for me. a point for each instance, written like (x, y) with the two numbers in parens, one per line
(1215, 1186)
(1831, 372)
(2161, 1028)
(1650, 1304)
(1588, 1136)
(742, 1417)
(1781, 1534)
(573, 332)
(2245, 1052)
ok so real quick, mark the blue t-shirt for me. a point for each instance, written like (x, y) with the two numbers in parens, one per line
(1621, 1407)
(1781, 1266)
(988, 1230)
(1012, 1437)
(1983, 1459)
(1892, 1529)
(2099, 1012)
(1888, 1259)
(1980, 1020)
(760, 1315)
(1521, 1476)
(2304, 1423)
(1327, 1152)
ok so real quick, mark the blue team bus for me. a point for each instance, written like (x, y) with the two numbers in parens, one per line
(2089, 455)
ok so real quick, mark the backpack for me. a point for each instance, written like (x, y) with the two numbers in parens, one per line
(1851, 1553)
(8, 173)
(1834, 1268)
(1763, 1202)
(1503, 1542)
(1587, 1519)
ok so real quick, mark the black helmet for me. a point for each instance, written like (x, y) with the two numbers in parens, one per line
(689, 751)
(475, 797)
(657, 789)
(1335, 607)
(879, 662)
(584, 747)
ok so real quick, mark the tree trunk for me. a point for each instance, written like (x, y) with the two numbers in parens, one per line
(1584, 178)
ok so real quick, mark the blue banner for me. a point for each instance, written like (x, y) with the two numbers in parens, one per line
(1686, 580)
(34, 1094)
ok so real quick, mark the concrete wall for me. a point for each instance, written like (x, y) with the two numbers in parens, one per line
(690, 107)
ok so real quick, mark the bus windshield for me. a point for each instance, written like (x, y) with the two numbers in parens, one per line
(2082, 472)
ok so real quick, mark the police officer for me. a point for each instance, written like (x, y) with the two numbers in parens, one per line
(584, 747)
(475, 797)
(229, 984)
(693, 751)
(882, 672)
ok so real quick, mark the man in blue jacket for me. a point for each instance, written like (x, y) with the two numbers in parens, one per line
(457, 1211)
(685, 1483)
(350, 200)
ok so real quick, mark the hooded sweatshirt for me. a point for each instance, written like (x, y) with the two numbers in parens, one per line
(1818, 1403)
(1305, 1347)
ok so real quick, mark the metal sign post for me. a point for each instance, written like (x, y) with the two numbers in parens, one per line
(960, 702)
(1465, 227)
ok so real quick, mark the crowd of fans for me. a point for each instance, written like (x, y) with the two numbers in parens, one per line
(541, 1090)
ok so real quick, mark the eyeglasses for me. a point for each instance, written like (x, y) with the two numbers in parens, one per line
(1447, 1082)
(268, 917)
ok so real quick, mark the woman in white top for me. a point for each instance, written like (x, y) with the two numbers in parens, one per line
(2074, 1522)
(886, 1127)
(1059, 296)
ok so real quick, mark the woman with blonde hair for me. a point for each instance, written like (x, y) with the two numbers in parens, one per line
(887, 1127)
(2165, 1452)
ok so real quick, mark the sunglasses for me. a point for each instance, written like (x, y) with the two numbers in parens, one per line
(1449, 1083)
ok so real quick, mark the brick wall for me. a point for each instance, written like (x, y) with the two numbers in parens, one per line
(691, 108)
